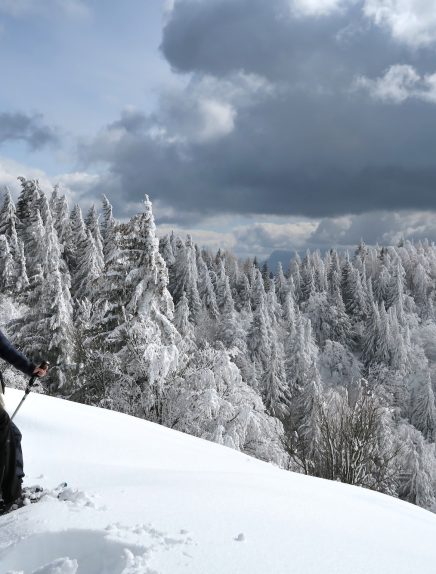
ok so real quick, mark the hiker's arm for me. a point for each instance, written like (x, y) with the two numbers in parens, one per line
(15, 358)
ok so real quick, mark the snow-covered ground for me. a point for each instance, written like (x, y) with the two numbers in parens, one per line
(143, 499)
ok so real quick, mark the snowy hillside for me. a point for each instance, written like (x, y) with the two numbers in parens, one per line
(146, 499)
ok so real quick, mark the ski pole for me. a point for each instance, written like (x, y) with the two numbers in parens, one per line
(44, 365)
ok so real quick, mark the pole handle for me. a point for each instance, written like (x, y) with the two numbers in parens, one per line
(44, 365)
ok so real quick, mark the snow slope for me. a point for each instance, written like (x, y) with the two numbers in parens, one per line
(146, 499)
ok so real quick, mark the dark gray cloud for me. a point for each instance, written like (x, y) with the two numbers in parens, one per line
(270, 122)
(385, 228)
(28, 128)
(220, 36)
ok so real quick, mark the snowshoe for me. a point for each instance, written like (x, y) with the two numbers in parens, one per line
(30, 495)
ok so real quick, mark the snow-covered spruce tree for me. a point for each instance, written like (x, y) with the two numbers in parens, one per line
(416, 464)
(21, 280)
(206, 290)
(182, 322)
(183, 276)
(8, 217)
(92, 224)
(259, 335)
(275, 392)
(46, 331)
(192, 286)
(327, 315)
(422, 289)
(395, 294)
(166, 250)
(34, 249)
(338, 366)
(281, 285)
(422, 399)
(27, 204)
(231, 333)
(146, 337)
(304, 386)
(6, 266)
(89, 268)
(210, 400)
(109, 234)
(74, 239)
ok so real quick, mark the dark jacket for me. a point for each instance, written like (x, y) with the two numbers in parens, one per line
(11, 459)
(14, 357)
(10, 473)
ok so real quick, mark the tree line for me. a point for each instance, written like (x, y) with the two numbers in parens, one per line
(326, 367)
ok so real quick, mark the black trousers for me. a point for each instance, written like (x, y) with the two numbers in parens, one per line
(11, 459)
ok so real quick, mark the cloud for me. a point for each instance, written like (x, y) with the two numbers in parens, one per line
(410, 21)
(75, 185)
(398, 84)
(285, 237)
(317, 7)
(385, 228)
(212, 240)
(260, 119)
(28, 128)
(263, 238)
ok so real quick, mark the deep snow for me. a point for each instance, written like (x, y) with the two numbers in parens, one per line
(146, 499)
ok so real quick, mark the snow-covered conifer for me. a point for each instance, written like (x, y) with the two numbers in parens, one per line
(92, 223)
(8, 218)
(89, 269)
(6, 265)
(206, 290)
(28, 202)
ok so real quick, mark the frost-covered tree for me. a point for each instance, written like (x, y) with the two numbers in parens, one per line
(21, 279)
(276, 395)
(206, 290)
(6, 265)
(46, 331)
(146, 338)
(8, 217)
(416, 467)
(89, 268)
(75, 238)
(355, 443)
(27, 204)
(212, 401)
(92, 224)
(423, 408)
(60, 213)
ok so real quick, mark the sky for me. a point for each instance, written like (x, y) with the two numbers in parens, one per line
(255, 126)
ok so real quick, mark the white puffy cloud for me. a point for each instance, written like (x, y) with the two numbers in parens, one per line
(410, 21)
(217, 119)
(262, 238)
(201, 110)
(398, 84)
(75, 185)
(210, 105)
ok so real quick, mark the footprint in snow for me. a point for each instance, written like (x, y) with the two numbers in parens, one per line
(117, 550)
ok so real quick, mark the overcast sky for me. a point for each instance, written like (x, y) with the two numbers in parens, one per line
(255, 125)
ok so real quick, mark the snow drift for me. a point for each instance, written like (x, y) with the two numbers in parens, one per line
(146, 499)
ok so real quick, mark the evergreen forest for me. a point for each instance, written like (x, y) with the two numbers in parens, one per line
(326, 366)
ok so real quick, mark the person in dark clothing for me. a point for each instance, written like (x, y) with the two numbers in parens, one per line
(11, 459)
